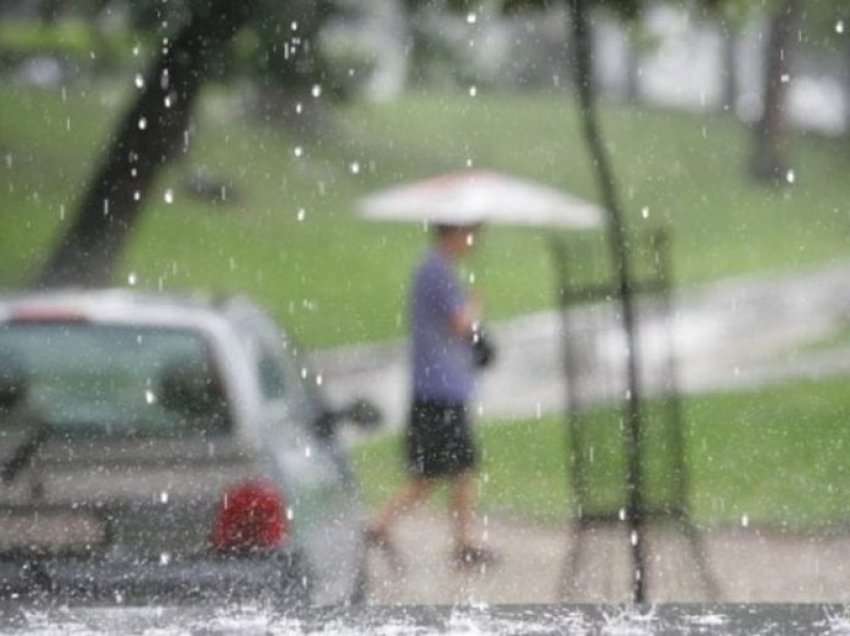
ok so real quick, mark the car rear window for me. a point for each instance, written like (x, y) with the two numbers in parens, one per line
(115, 380)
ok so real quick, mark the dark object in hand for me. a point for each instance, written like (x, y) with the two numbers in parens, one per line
(483, 350)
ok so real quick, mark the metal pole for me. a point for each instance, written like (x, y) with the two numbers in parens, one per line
(619, 246)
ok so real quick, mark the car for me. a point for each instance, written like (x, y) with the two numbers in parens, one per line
(162, 447)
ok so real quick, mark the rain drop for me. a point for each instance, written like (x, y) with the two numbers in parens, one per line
(302, 214)
(167, 101)
(839, 27)
(471, 18)
(143, 123)
(790, 177)
(644, 212)
(354, 167)
(745, 521)
(163, 497)
(298, 151)
(150, 398)
(140, 81)
(473, 91)
(169, 196)
(290, 514)
(131, 279)
(164, 558)
(634, 537)
(470, 239)
(316, 91)
(469, 163)
(308, 452)
(61, 211)
(303, 373)
(622, 514)
(471, 278)
(299, 108)
(136, 51)
(785, 78)
(294, 25)
(137, 195)
(319, 379)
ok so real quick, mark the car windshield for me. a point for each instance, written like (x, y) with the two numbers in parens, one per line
(85, 379)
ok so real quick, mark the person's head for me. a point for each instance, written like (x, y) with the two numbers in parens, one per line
(456, 240)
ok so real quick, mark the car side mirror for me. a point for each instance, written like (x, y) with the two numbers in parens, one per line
(364, 413)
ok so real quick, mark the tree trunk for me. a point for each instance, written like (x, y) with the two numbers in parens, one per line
(847, 89)
(632, 66)
(769, 162)
(729, 96)
(618, 246)
(150, 135)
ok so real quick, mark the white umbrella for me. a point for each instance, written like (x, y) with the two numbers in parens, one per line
(475, 196)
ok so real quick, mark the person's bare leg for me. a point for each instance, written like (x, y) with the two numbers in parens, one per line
(462, 507)
(412, 493)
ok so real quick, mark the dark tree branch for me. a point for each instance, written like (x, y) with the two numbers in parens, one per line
(150, 135)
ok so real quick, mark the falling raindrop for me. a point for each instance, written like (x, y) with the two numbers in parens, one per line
(839, 27)
(316, 91)
(473, 91)
(538, 410)
(143, 123)
(319, 379)
(302, 214)
(165, 78)
(294, 25)
(164, 558)
(137, 195)
(150, 398)
(298, 151)
(471, 18)
(303, 373)
(354, 167)
(790, 177)
(134, 172)
(785, 78)
(469, 163)
(471, 278)
(163, 497)
(140, 81)
(745, 521)
(644, 212)
(61, 211)
(231, 263)
(470, 239)
(634, 537)
(299, 108)
(622, 514)
(308, 452)
(136, 51)
(290, 514)
(167, 101)
(131, 279)
(168, 196)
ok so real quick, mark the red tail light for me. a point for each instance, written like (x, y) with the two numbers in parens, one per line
(251, 517)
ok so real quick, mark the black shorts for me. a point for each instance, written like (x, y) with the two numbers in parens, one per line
(439, 440)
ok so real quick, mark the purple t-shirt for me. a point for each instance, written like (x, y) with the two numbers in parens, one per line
(442, 360)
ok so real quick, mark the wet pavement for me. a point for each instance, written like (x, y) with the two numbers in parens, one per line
(422, 620)
(747, 565)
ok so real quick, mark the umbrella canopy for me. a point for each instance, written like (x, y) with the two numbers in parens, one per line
(473, 196)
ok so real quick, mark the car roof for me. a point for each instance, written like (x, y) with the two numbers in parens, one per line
(119, 304)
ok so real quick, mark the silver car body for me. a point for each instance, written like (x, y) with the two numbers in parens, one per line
(144, 507)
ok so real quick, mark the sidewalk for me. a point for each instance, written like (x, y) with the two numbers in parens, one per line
(749, 565)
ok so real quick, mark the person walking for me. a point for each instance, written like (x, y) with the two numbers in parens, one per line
(447, 346)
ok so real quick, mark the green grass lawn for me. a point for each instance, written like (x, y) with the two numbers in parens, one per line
(335, 279)
(778, 457)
